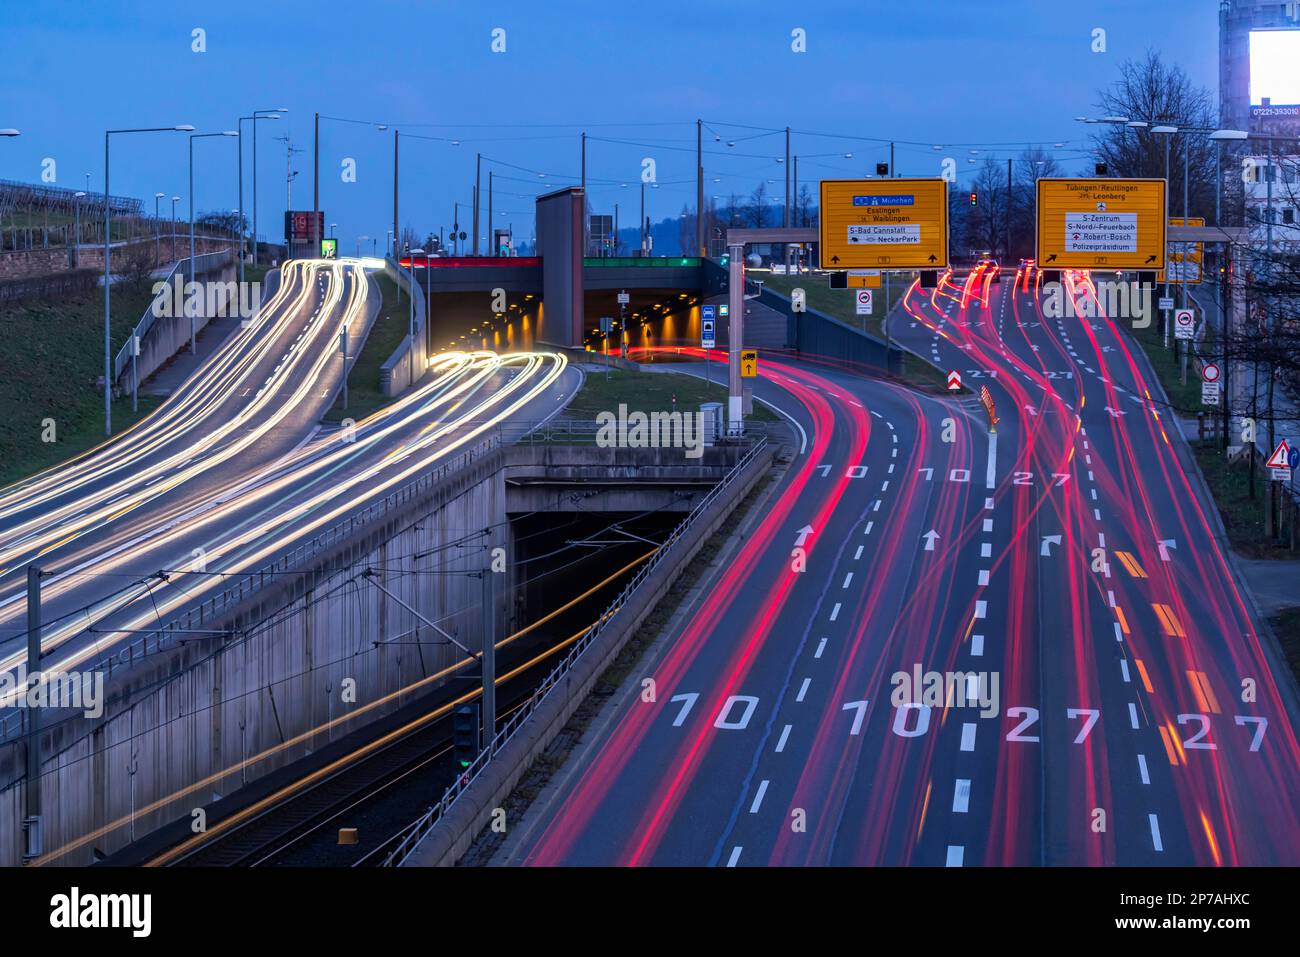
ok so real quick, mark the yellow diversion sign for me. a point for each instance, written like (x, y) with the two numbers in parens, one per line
(1101, 224)
(884, 224)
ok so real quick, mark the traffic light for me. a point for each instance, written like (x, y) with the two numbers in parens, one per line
(1101, 169)
(974, 198)
(464, 735)
(882, 169)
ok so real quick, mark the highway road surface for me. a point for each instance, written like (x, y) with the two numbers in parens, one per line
(231, 472)
(1104, 696)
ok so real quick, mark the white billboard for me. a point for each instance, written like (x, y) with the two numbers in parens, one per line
(1275, 67)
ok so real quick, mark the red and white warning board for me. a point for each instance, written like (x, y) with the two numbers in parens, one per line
(1281, 457)
(954, 380)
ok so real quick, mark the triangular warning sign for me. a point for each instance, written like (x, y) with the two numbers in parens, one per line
(1280, 456)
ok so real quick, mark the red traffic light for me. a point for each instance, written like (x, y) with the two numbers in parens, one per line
(973, 199)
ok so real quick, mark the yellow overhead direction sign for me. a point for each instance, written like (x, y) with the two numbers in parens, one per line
(1101, 223)
(884, 224)
(1185, 259)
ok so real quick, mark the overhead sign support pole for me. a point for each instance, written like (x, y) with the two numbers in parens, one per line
(735, 337)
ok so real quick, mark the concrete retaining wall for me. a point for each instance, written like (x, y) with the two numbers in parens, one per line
(21, 263)
(465, 818)
(310, 651)
(170, 334)
(225, 711)
(409, 362)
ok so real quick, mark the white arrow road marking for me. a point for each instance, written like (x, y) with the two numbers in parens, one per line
(930, 538)
(1116, 413)
(803, 536)
(1165, 544)
(1048, 542)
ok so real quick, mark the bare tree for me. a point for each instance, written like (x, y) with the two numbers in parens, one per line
(686, 231)
(803, 205)
(1034, 163)
(756, 208)
(1151, 91)
(138, 264)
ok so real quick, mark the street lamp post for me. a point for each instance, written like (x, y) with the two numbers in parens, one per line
(262, 114)
(1167, 132)
(76, 243)
(410, 323)
(157, 229)
(191, 307)
(108, 278)
(175, 200)
(257, 115)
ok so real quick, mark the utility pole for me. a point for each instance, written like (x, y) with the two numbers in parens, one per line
(892, 173)
(796, 191)
(642, 221)
(343, 348)
(488, 658)
(735, 336)
(315, 187)
(699, 188)
(395, 232)
(785, 219)
(478, 165)
(32, 791)
(492, 230)
(1006, 252)
(584, 167)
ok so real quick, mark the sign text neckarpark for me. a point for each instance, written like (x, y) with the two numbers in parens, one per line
(884, 224)
(1108, 223)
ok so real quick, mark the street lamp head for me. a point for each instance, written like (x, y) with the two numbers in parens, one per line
(1164, 129)
(1136, 124)
(1229, 135)
(184, 128)
(159, 195)
(80, 193)
(10, 132)
(176, 199)
(281, 109)
(230, 133)
(1114, 119)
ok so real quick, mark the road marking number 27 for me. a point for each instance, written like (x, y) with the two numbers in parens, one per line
(913, 720)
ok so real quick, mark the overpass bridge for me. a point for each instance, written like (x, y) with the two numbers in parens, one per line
(556, 298)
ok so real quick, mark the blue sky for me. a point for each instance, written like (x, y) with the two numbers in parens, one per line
(958, 73)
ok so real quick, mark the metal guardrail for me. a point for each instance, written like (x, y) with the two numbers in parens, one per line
(417, 830)
(202, 263)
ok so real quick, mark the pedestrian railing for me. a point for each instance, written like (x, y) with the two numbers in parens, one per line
(202, 263)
